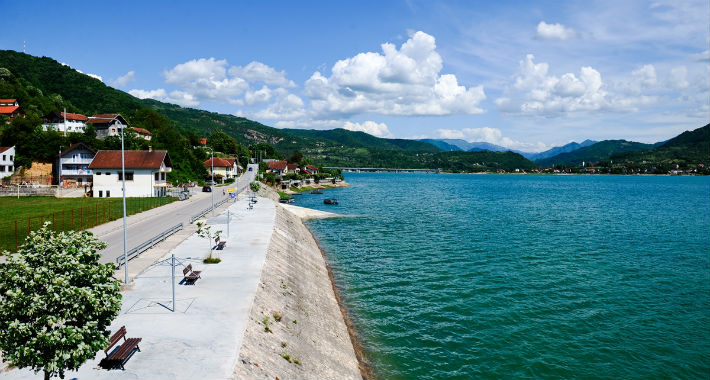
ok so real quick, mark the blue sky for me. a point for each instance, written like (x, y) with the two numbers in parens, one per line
(526, 75)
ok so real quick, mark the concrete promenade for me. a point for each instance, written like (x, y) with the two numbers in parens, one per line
(202, 337)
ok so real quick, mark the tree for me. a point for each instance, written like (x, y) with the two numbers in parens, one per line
(57, 302)
(222, 142)
(296, 157)
(205, 231)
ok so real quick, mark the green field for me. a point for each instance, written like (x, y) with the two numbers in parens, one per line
(24, 214)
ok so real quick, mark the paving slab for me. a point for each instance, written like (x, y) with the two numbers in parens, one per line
(202, 336)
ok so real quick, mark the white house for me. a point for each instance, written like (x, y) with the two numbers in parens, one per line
(107, 124)
(225, 167)
(7, 161)
(73, 166)
(145, 173)
(65, 122)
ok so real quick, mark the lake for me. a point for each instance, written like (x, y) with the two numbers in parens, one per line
(524, 276)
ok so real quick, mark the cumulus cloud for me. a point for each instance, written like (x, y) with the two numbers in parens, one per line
(213, 80)
(370, 127)
(547, 31)
(259, 72)
(489, 135)
(286, 106)
(679, 78)
(180, 98)
(535, 91)
(124, 80)
(404, 81)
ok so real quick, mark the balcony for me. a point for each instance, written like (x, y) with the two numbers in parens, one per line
(67, 172)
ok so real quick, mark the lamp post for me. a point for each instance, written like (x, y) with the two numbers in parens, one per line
(123, 178)
(212, 179)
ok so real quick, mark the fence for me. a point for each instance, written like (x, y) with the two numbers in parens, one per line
(91, 213)
(120, 260)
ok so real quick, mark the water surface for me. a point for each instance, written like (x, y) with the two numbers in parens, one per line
(504, 276)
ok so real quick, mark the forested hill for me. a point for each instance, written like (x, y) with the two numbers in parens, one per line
(593, 153)
(688, 148)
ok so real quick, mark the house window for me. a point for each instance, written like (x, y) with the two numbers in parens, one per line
(2, 168)
(162, 176)
(10, 157)
(98, 173)
(4, 157)
(129, 176)
(108, 193)
(101, 193)
(157, 176)
(9, 168)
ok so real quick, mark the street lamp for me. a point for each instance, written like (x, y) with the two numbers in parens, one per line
(123, 178)
(212, 179)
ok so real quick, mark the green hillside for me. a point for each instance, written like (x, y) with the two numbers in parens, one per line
(593, 153)
(363, 140)
(687, 149)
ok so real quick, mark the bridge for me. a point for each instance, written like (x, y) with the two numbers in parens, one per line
(382, 170)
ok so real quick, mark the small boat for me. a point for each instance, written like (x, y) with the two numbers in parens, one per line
(316, 191)
(331, 201)
(287, 200)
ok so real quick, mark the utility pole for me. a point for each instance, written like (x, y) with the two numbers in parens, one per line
(123, 177)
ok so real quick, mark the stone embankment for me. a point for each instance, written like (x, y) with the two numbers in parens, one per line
(295, 329)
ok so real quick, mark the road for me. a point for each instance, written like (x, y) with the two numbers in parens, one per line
(144, 226)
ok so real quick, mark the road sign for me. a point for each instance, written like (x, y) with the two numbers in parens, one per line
(230, 190)
(233, 195)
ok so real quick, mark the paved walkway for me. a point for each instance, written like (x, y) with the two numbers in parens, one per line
(201, 339)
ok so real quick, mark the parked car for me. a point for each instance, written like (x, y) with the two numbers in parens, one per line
(206, 189)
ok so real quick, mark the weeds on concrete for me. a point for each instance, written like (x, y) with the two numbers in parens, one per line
(277, 317)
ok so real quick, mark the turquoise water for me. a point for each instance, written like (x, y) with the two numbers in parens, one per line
(526, 277)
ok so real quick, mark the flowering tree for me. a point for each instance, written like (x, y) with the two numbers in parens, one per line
(56, 302)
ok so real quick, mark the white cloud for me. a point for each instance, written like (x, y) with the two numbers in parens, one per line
(703, 56)
(534, 91)
(286, 106)
(370, 127)
(547, 31)
(206, 80)
(176, 97)
(489, 135)
(679, 78)
(259, 72)
(94, 76)
(124, 80)
(253, 98)
(396, 82)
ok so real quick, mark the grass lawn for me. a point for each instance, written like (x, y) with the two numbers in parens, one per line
(24, 214)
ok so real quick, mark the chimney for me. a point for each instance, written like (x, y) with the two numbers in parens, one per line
(150, 148)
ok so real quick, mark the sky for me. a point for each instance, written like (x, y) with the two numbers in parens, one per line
(527, 75)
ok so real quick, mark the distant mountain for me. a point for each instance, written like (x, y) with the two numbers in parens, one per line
(559, 149)
(688, 148)
(443, 145)
(593, 153)
(363, 140)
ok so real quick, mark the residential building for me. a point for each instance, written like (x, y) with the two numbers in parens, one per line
(293, 168)
(107, 124)
(65, 122)
(146, 172)
(143, 133)
(7, 161)
(72, 168)
(236, 168)
(278, 167)
(310, 169)
(224, 167)
(10, 108)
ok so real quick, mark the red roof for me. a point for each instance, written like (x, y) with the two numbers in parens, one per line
(8, 110)
(74, 116)
(8, 100)
(278, 165)
(105, 118)
(135, 159)
(218, 163)
(292, 167)
(142, 131)
(311, 167)
(4, 148)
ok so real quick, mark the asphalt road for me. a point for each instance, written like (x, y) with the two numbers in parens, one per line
(144, 226)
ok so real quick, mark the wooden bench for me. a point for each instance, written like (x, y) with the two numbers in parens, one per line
(220, 244)
(189, 275)
(119, 356)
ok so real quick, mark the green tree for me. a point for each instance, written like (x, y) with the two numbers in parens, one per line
(222, 142)
(296, 157)
(57, 302)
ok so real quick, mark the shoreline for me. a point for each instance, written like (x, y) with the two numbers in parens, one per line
(366, 370)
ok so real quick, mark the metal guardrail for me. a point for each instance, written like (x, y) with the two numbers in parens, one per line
(208, 209)
(148, 244)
